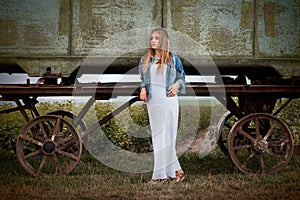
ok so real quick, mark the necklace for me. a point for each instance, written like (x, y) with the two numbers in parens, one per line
(155, 58)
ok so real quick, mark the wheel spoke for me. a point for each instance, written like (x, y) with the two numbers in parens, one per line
(277, 157)
(56, 129)
(262, 163)
(246, 146)
(44, 159)
(67, 139)
(257, 127)
(248, 160)
(244, 133)
(69, 155)
(31, 140)
(271, 130)
(279, 142)
(33, 154)
(34, 132)
(57, 164)
(69, 144)
(43, 129)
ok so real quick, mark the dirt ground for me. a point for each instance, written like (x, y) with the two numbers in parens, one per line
(203, 142)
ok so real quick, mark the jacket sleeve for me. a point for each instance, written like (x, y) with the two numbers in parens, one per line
(142, 77)
(180, 74)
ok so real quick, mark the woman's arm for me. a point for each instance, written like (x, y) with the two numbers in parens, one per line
(180, 75)
(179, 83)
(143, 91)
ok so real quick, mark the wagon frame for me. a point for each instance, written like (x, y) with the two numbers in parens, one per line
(49, 139)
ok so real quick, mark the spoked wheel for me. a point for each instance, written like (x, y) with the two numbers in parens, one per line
(260, 143)
(49, 145)
(69, 116)
(224, 126)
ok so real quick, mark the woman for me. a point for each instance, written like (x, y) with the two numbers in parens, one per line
(162, 76)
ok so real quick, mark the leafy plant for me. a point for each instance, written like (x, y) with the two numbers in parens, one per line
(130, 129)
(10, 127)
(291, 117)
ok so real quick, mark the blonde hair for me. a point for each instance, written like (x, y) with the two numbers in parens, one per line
(164, 47)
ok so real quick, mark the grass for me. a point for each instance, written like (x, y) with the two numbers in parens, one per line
(212, 177)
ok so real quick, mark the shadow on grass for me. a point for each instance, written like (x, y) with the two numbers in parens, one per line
(211, 164)
(88, 165)
(215, 163)
(192, 164)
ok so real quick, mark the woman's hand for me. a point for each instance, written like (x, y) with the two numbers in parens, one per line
(143, 95)
(173, 89)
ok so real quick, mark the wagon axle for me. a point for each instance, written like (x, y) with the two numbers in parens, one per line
(49, 147)
(260, 144)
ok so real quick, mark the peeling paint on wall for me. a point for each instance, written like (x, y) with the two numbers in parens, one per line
(94, 21)
(8, 33)
(220, 26)
(278, 31)
(269, 19)
(85, 14)
(32, 28)
(64, 21)
(247, 15)
(35, 36)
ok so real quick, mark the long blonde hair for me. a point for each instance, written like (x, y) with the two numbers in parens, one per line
(164, 47)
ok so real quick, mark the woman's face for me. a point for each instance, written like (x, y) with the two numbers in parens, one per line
(154, 40)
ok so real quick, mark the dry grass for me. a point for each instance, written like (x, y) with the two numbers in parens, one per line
(212, 177)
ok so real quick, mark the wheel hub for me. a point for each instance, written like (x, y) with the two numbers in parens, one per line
(49, 147)
(260, 144)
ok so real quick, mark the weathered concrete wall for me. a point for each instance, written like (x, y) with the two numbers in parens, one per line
(94, 21)
(239, 28)
(31, 28)
(59, 33)
(278, 32)
(39, 34)
(217, 25)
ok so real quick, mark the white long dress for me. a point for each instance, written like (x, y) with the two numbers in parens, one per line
(163, 118)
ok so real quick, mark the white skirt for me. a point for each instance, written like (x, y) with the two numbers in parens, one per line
(163, 118)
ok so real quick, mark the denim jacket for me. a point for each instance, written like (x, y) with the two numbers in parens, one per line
(177, 74)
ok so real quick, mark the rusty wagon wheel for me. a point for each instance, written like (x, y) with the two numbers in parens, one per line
(260, 143)
(69, 116)
(49, 145)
